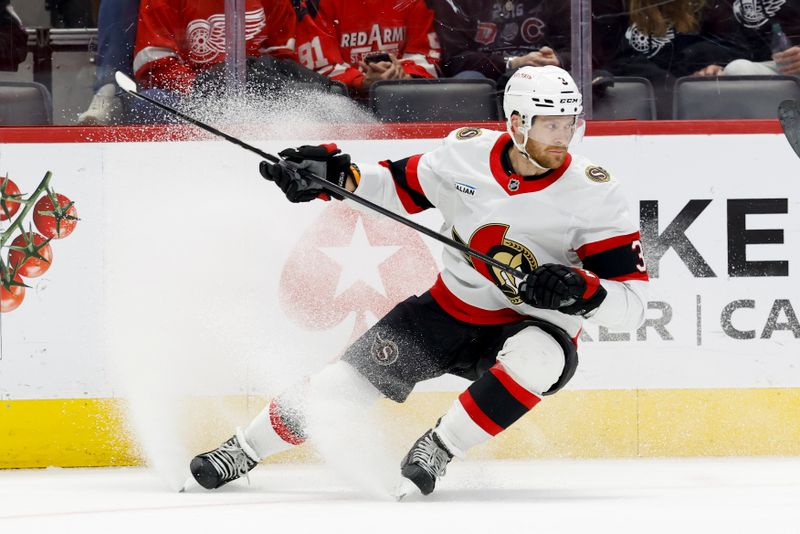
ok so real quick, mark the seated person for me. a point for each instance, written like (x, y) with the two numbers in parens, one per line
(116, 33)
(492, 39)
(754, 26)
(660, 40)
(358, 42)
(180, 49)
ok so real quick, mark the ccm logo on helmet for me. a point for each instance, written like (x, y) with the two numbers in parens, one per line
(569, 100)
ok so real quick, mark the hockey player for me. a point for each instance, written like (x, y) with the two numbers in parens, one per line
(518, 196)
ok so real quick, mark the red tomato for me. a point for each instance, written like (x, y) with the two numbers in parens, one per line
(11, 298)
(55, 221)
(8, 207)
(33, 243)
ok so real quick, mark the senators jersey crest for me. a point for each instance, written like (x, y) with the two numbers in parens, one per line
(491, 240)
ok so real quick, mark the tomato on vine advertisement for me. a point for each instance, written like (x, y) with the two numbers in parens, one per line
(23, 252)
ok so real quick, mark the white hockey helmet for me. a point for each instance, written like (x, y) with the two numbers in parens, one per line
(535, 91)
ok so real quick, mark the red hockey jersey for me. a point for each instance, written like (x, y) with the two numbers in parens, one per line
(177, 38)
(334, 35)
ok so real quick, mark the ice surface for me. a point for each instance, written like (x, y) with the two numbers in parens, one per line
(691, 495)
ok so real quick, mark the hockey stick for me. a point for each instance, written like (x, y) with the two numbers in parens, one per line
(129, 87)
(789, 115)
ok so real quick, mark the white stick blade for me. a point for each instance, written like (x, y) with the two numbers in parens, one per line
(125, 83)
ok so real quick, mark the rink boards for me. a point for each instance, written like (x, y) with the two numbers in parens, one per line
(189, 277)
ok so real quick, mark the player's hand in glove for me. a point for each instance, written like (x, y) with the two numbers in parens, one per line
(567, 289)
(325, 161)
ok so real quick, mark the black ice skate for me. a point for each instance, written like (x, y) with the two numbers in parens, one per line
(227, 462)
(424, 464)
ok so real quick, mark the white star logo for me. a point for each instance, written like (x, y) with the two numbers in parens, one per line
(360, 261)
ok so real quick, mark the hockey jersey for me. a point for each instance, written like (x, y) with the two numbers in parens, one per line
(175, 39)
(333, 36)
(574, 215)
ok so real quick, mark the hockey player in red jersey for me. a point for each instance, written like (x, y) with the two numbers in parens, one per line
(342, 38)
(178, 39)
(518, 196)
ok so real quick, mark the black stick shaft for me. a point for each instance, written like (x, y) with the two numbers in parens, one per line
(334, 188)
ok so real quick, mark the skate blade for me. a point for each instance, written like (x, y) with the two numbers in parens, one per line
(404, 489)
(186, 485)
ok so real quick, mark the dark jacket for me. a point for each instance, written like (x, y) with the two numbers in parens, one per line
(480, 35)
(621, 48)
(749, 23)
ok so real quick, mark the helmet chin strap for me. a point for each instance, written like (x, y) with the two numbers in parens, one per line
(521, 147)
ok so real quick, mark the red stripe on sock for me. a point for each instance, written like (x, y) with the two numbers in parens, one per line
(525, 397)
(280, 428)
(477, 415)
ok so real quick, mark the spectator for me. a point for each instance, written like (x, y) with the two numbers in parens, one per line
(660, 40)
(358, 42)
(754, 23)
(492, 39)
(13, 38)
(180, 48)
(116, 34)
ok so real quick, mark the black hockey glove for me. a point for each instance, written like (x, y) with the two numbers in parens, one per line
(325, 161)
(566, 289)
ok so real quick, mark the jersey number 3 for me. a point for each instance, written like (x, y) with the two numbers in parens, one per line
(636, 246)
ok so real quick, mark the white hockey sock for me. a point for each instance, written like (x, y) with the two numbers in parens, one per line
(489, 406)
(459, 432)
(262, 436)
(336, 391)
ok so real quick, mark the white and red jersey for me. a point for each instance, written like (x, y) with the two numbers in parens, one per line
(574, 215)
(333, 36)
(177, 38)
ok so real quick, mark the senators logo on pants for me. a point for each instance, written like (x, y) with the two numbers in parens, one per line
(384, 351)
